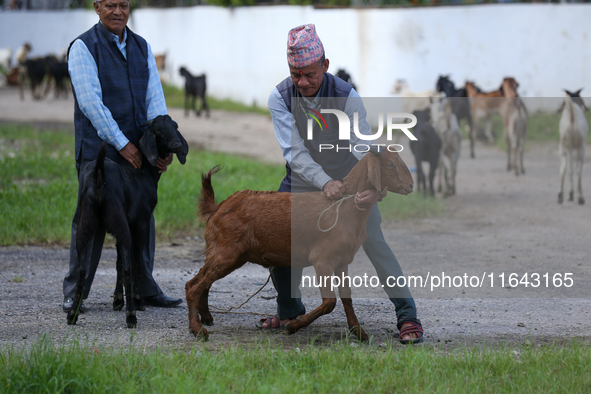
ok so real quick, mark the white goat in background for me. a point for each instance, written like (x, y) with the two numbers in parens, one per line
(21, 55)
(6, 59)
(446, 125)
(412, 101)
(571, 147)
(5, 64)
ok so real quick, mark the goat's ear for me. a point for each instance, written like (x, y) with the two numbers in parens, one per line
(182, 155)
(149, 148)
(374, 172)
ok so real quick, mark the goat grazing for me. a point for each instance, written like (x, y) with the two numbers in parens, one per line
(426, 148)
(571, 148)
(259, 227)
(515, 119)
(121, 199)
(460, 105)
(194, 87)
(483, 106)
(446, 125)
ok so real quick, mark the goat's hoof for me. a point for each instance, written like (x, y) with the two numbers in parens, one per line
(359, 333)
(293, 326)
(581, 201)
(118, 304)
(200, 333)
(289, 329)
(131, 321)
(72, 316)
(560, 198)
(207, 319)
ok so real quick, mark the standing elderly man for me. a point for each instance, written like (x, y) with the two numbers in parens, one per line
(117, 92)
(308, 88)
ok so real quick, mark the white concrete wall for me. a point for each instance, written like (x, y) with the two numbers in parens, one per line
(545, 47)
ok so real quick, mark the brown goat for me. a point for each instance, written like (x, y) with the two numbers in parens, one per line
(515, 119)
(259, 227)
(483, 106)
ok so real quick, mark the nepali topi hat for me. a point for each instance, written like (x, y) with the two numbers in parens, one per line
(303, 46)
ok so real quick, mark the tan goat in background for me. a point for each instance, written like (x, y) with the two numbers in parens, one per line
(446, 125)
(571, 147)
(515, 120)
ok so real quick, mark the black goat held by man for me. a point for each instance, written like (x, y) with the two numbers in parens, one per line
(120, 199)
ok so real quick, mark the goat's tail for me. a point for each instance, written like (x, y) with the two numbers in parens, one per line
(207, 205)
(99, 170)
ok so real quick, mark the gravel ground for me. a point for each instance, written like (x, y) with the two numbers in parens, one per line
(496, 224)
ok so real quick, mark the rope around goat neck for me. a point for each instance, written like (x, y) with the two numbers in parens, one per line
(337, 218)
(222, 310)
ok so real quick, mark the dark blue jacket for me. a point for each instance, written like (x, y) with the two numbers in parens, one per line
(124, 83)
(333, 93)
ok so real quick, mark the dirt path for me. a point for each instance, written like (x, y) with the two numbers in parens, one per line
(497, 224)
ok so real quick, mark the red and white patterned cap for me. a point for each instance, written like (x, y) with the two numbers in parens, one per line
(303, 46)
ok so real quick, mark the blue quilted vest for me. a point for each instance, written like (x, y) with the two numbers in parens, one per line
(124, 83)
(336, 164)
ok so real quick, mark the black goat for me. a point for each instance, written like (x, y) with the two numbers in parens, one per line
(36, 70)
(344, 75)
(427, 148)
(121, 199)
(57, 71)
(195, 87)
(460, 104)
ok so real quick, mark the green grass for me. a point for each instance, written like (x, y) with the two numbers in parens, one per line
(38, 185)
(38, 188)
(175, 97)
(266, 367)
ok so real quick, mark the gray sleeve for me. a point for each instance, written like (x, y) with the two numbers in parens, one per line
(292, 145)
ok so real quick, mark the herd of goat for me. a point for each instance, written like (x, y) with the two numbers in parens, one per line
(42, 72)
(46, 72)
(439, 112)
(439, 115)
